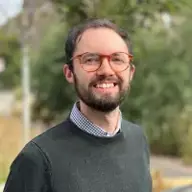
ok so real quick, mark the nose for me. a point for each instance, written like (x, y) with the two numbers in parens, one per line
(105, 68)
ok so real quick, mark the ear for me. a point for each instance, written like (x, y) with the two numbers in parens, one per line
(68, 73)
(132, 71)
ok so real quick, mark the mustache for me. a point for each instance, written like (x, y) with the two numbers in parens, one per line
(101, 79)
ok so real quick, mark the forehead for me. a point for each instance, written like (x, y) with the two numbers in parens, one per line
(101, 40)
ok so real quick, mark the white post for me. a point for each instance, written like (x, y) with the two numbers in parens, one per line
(2, 64)
(26, 25)
(26, 94)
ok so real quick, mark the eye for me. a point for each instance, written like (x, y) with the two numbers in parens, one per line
(90, 59)
(117, 59)
(120, 58)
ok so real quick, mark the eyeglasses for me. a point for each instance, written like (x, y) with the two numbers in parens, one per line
(90, 62)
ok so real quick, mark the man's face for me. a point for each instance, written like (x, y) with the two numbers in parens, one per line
(103, 89)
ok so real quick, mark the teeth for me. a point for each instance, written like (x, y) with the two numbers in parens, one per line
(105, 85)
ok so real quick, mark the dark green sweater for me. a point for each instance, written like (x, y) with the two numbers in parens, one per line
(66, 159)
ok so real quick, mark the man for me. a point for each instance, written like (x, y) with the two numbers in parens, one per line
(94, 150)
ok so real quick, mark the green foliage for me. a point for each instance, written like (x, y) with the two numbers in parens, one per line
(185, 134)
(162, 86)
(161, 89)
(130, 14)
(53, 95)
(187, 148)
(10, 51)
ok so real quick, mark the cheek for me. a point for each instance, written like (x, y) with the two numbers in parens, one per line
(125, 78)
(83, 79)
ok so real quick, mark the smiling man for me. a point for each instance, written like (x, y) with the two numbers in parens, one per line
(94, 149)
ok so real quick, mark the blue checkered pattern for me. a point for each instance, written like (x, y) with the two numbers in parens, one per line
(84, 124)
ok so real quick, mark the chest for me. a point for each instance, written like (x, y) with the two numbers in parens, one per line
(122, 170)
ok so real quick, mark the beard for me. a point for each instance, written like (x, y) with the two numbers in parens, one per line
(106, 103)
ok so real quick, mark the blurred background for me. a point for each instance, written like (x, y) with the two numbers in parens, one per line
(34, 94)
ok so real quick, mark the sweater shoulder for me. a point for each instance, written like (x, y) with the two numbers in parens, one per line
(134, 131)
(53, 135)
(131, 127)
(137, 132)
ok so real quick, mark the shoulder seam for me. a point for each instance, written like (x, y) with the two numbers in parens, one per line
(47, 159)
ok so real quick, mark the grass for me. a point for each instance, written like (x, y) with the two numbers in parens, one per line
(10, 142)
(160, 183)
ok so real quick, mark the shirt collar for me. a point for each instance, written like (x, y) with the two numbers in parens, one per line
(86, 125)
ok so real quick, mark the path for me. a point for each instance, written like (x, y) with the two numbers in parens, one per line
(170, 167)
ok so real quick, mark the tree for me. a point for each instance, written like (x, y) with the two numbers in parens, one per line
(161, 88)
(10, 51)
(53, 96)
(130, 14)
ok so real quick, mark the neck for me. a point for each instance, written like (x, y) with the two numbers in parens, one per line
(107, 121)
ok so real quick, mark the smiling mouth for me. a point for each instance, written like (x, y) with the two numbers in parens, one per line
(105, 85)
